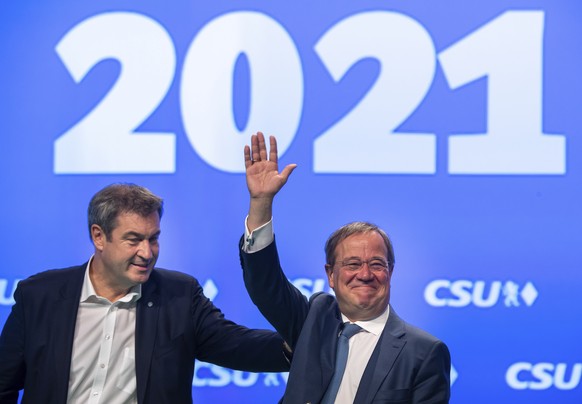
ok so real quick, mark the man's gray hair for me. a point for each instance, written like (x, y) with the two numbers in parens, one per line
(113, 200)
(356, 228)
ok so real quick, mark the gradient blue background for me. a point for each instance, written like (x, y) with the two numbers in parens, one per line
(489, 228)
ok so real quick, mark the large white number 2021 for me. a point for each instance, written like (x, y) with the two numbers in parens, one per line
(508, 51)
(104, 140)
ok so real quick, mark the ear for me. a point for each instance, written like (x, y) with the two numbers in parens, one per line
(329, 272)
(391, 271)
(98, 237)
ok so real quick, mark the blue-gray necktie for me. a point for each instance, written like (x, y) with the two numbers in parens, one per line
(340, 361)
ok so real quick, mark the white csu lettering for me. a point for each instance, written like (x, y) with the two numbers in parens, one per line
(216, 376)
(461, 293)
(7, 299)
(209, 375)
(543, 375)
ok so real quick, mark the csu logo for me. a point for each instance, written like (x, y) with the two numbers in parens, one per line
(543, 375)
(7, 290)
(462, 293)
(209, 375)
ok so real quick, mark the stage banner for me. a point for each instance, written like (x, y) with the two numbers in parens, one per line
(454, 125)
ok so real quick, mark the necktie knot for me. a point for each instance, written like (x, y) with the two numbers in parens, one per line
(350, 330)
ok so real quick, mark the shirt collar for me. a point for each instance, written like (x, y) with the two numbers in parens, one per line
(88, 291)
(375, 325)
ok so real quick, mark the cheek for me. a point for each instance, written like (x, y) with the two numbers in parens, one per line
(339, 279)
(345, 279)
(385, 280)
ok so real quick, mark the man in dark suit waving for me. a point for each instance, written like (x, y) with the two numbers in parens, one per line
(116, 329)
(388, 360)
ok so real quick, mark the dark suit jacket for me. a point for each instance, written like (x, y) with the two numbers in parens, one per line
(175, 323)
(408, 365)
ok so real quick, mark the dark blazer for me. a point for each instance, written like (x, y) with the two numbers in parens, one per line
(408, 365)
(175, 324)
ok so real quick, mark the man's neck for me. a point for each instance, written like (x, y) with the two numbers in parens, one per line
(103, 286)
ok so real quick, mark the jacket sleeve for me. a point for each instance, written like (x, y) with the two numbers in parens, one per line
(281, 303)
(12, 366)
(225, 343)
(432, 383)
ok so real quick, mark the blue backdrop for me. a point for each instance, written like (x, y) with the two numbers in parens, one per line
(454, 125)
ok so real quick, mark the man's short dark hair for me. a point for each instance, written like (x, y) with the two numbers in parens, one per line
(113, 200)
(356, 228)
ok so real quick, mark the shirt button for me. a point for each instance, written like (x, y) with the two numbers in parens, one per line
(102, 366)
(108, 337)
(95, 394)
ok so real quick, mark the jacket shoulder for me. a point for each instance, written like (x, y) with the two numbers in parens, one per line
(319, 299)
(53, 276)
(421, 339)
(172, 282)
(167, 275)
(420, 334)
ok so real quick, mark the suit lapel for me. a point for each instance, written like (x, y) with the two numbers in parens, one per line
(63, 325)
(330, 333)
(148, 308)
(314, 360)
(382, 360)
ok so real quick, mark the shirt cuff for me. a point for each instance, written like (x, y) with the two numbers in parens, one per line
(259, 238)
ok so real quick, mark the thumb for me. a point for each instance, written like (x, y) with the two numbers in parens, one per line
(287, 171)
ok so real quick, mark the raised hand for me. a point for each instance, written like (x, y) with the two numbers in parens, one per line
(263, 178)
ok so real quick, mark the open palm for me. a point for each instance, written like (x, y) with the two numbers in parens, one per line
(262, 168)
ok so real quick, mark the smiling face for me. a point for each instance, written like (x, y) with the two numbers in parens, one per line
(361, 294)
(125, 258)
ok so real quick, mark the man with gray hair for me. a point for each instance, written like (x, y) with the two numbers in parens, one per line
(117, 329)
(351, 348)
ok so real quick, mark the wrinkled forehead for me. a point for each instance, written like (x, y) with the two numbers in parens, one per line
(363, 245)
(131, 219)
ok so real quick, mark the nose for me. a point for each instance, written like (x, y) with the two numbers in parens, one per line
(145, 251)
(365, 273)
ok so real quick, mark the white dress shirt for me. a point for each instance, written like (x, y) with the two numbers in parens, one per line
(103, 358)
(361, 345)
(361, 348)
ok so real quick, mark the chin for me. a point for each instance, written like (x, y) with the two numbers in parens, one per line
(143, 278)
(367, 298)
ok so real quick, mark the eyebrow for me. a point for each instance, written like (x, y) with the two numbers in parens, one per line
(134, 234)
(376, 257)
